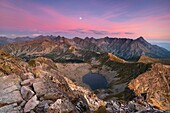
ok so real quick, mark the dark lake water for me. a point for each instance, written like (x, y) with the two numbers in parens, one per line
(95, 81)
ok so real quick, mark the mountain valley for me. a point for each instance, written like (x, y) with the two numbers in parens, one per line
(50, 69)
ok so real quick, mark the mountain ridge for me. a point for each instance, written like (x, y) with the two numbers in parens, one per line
(128, 49)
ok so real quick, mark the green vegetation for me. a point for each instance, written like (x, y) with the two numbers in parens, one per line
(32, 63)
(127, 71)
(5, 68)
(102, 109)
(51, 56)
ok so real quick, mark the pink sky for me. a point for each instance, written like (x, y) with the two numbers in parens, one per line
(39, 18)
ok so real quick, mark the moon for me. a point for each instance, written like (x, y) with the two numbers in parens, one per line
(80, 18)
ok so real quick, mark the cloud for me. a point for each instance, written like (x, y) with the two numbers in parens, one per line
(18, 35)
(78, 30)
(13, 35)
(91, 31)
(116, 33)
(35, 35)
(129, 33)
(56, 32)
(2, 35)
(99, 32)
(96, 32)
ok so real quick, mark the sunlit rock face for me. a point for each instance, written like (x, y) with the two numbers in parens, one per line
(155, 84)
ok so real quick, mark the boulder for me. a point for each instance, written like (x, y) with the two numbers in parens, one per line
(12, 108)
(26, 92)
(23, 103)
(27, 82)
(82, 107)
(31, 104)
(61, 106)
(10, 90)
(27, 76)
(43, 106)
(39, 87)
(13, 97)
(53, 96)
(49, 89)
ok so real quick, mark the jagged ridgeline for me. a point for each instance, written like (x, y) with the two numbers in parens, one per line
(80, 50)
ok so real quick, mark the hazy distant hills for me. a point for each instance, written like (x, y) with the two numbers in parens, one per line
(127, 49)
(164, 45)
(5, 40)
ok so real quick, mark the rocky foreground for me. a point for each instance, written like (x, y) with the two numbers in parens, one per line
(37, 87)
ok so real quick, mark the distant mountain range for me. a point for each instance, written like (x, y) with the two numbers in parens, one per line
(5, 40)
(76, 48)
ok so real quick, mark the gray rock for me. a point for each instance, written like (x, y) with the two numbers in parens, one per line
(48, 89)
(32, 111)
(81, 106)
(39, 87)
(22, 103)
(26, 92)
(12, 108)
(53, 96)
(31, 104)
(27, 76)
(139, 107)
(10, 90)
(13, 97)
(43, 106)
(130, 107)
(27, 82)
(61, 106)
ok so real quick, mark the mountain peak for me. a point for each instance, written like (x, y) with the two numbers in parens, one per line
(140, 39)
(86, 38)
(106, 37)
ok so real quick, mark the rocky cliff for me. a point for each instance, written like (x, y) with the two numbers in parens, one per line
(154, 84)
